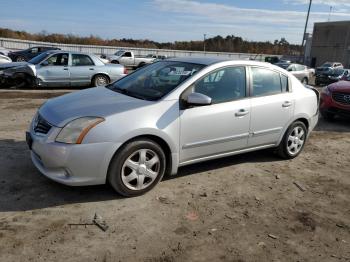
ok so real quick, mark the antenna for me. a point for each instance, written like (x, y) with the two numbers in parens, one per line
(330, 12)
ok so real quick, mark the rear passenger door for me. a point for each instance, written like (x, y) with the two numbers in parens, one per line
(272, 106)
(81, 70)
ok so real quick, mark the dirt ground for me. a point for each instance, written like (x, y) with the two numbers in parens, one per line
(240, 208)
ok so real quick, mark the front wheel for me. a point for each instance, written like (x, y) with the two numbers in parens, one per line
(293, 141)
(137, 168)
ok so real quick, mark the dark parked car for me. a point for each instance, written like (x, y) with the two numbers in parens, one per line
(27, 54)
(335, 100)
(327, 67)
(331, 76)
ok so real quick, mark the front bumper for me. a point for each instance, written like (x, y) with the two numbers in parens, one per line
(71, 164)
(329, 105)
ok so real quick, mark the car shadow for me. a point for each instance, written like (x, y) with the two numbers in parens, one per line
(338, 124)
(23, 188)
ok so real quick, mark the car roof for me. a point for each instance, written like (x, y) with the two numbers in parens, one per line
(213, 60)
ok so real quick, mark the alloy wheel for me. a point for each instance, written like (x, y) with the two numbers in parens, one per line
(140, 169)
(296, 140)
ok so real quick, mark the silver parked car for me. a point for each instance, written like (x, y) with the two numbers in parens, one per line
(170, 114)
(64, 68)
(302, 72)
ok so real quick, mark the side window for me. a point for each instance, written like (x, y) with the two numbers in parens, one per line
(81, 60)
(34, 50)
(265, 82)
(127, 54)
(223, 85)
(58, 60)
(284, 82)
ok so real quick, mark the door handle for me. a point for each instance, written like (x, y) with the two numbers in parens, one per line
(242, 112)
(91, 69)
(287, 104)
(65, 68)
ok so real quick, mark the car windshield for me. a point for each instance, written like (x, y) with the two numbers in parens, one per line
(283, 65)
(337, 72)
(156, 80)
(36, 60)
(119, 53)
(326, 65)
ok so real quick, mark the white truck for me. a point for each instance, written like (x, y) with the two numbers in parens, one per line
(128, 59)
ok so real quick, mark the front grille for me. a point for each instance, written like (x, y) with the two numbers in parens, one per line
(41, 125)
(342, 98)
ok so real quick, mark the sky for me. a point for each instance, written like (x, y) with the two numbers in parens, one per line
(171, 20)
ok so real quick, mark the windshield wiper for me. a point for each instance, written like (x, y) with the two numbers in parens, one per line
(126, 92)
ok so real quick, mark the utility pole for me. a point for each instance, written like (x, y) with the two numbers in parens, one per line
(302, 43)
(204, 36)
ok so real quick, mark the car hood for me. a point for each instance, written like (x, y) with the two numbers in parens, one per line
(98, 101)
(341, 86)
(11, 65)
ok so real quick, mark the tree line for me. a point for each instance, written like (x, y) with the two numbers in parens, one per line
(230, 43)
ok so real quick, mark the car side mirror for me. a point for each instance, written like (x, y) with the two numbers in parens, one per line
(198, 99)
(45, 63)
(289, 69)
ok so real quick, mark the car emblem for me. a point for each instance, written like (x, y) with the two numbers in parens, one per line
(347, 98)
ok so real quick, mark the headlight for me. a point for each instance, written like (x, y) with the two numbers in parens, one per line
(75, 131)
(326, 91)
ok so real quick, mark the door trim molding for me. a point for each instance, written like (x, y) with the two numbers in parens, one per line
(215, 141)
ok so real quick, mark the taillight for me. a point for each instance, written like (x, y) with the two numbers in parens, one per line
(125, 71)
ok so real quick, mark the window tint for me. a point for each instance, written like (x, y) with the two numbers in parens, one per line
(265, 82)
(58, 60)
(81, 60)
(34, 50)
(223, 85)
(127, 54)
(284, 82)
(300, 67)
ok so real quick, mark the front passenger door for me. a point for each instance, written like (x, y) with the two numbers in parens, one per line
(221, 127)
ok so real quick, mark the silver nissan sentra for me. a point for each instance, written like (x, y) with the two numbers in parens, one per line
(170, 114)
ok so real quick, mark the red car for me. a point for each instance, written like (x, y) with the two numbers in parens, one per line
(335, 100)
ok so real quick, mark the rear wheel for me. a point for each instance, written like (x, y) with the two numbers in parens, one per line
(305, 81)
(293, 141)
(100, 80)
(137, 168)
(20, 59)
(141, 65)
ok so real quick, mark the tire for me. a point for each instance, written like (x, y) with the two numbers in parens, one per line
(100, 80)
(141, 65)
(327, 115)
(293, 139)
(130, 175)
(21, 80)
(20, 59)
(305, 81)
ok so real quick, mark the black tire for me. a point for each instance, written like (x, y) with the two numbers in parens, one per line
(282, 149)
(100, 80)
(305, 81)
(115, 62)
(327, 115)
(141, 65)
(21, 80)
(114, 175)
(20, 59)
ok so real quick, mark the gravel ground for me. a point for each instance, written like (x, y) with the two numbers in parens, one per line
(241, 208)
